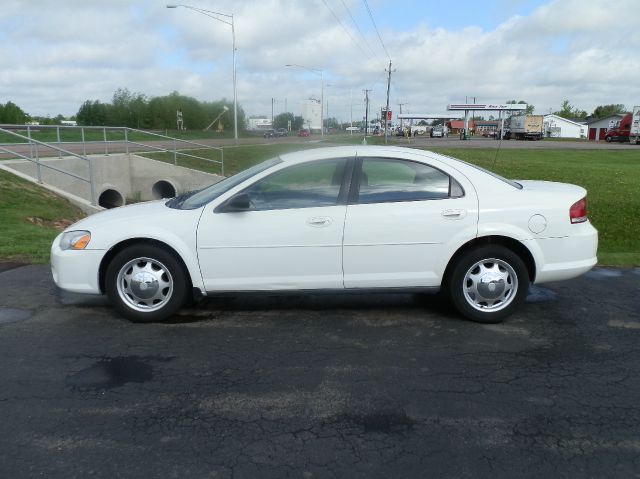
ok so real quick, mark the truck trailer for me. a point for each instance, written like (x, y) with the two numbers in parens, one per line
(524, 127)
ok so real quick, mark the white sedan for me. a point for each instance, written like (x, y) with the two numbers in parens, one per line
(336, 219)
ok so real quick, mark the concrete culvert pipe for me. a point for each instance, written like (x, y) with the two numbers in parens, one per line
(110, 199)
(163, 189)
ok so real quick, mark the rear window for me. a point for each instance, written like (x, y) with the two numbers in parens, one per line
(515, 184)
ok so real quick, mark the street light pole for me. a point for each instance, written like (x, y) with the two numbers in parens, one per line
(230, 22)
(321, 72)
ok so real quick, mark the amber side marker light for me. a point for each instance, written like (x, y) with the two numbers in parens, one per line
(77, 240)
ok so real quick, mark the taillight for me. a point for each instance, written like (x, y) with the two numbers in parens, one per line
(578, 211)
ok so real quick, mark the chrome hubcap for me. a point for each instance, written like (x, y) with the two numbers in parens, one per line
(490, 285)
(145, 284)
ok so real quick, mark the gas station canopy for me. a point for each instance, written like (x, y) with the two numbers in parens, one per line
(488, 106)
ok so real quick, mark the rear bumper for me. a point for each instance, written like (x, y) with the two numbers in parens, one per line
(568, 257)
(76, 271)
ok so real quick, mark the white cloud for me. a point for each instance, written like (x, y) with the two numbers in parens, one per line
(54, 55)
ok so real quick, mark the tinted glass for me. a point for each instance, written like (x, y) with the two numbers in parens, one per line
(385, 180)
(300, 186)
(196, 199)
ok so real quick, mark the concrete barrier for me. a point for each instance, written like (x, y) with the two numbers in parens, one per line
(118, 179)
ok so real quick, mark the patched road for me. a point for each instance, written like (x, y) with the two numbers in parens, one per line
(318, 386)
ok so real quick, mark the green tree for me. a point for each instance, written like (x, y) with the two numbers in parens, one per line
(298, 122)
(567, 110)
(282, 120)
(12, 114)
(92, 113)
(603, 111)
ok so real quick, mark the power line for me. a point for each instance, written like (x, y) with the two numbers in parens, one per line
(366, 4)
(359, 31)
(345, 29)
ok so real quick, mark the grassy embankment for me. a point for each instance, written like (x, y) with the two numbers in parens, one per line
(30, 218)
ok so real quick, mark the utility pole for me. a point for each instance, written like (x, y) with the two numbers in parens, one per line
(386, 112)
(272, 102)
(366, 116)
(351, 108)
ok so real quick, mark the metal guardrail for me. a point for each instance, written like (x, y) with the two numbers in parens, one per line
(34, 156)
(177, 144)
(110, 146)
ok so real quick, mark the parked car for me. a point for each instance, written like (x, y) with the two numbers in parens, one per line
(304, 132)
(270, 134)
(437, 132)
(339, 219)
(282, 132)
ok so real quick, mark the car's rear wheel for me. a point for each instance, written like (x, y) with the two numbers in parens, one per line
(488, 283)
(146, 283)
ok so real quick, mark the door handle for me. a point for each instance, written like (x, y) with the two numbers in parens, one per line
(319, 221)
(454, 214)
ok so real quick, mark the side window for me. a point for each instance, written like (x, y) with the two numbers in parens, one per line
(386, 180)
(299, 186)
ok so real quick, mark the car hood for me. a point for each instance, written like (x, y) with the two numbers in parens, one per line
(152, 220)
(129, 213)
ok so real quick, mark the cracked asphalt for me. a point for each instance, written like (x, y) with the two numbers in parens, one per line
(321, 386)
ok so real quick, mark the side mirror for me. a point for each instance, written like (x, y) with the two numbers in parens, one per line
(236, 203)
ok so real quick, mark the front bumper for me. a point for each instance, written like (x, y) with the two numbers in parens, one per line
(76, 271)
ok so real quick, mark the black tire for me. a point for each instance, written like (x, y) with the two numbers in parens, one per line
(608, 139)
(160, 288)
(502, 276)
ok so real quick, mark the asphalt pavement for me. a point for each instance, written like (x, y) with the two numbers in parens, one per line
(321, 386)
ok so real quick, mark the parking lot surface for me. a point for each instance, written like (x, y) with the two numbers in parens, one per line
(321, 386)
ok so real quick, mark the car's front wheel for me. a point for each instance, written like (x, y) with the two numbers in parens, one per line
(488, 283)
(146, 283)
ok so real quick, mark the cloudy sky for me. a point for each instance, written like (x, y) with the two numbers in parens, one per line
(56, 54)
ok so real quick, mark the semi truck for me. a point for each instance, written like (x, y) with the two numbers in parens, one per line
(621, 131)
(634, 132)
(524, 127)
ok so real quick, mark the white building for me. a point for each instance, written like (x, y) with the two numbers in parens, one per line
(557, 127)
(310, 112)
(598, 128)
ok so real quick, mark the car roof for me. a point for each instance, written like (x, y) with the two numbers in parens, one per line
(355, 150)
(398, 152)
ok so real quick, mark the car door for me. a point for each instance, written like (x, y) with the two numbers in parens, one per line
(402, 219)
(288, 237)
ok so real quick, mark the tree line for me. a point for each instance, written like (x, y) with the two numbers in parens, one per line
(136, 110)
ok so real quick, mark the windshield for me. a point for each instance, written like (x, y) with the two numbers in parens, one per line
(193, 200)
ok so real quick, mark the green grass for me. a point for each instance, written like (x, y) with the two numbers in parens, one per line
(28, 215)
(236, 158)
(50, 135)
(612, 180)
